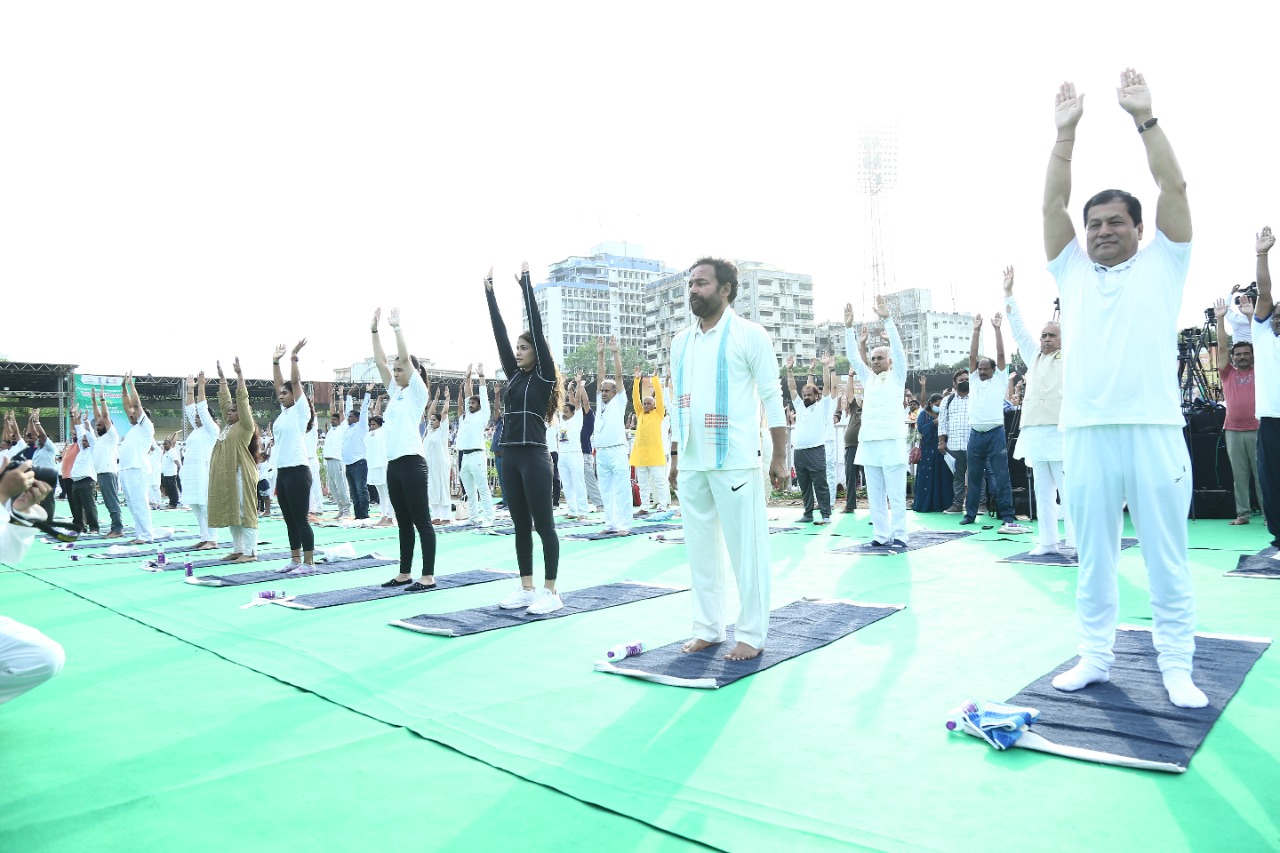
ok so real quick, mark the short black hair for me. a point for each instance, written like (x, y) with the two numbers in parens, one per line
(1240, 344)
(956, 375)
(1107, 196)
(726, 273)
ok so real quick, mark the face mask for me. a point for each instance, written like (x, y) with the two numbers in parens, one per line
(936, 409)
(962, 386)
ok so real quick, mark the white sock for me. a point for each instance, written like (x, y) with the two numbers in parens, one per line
(1081, 675)
(1040, 550)
(1182, 691)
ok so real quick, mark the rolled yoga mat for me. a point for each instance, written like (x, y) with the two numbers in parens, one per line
(335, 597)
(915, 541)
(368, 561)
(1068, 557)
(635, 531)
(1129, 720)
(1259, 565)
(794, 629)
(477, 620)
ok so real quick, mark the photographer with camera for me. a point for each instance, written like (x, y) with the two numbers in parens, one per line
(27, 657)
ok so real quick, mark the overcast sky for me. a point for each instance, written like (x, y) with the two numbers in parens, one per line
(183, 182)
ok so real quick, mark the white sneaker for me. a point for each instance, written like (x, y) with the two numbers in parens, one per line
(485, 524)
(1014, 527)
(520, 598)
(545, 602)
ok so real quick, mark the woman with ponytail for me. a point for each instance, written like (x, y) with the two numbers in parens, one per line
(532, 397)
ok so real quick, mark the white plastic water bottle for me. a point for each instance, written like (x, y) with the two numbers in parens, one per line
(956, 717)
(160, 561)
(625, 650)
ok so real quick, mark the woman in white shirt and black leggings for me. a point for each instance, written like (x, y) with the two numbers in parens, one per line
(293, 475)
(406, 460)
(531, 399)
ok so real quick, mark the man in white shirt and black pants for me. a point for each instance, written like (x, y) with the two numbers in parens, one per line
(815, 411)
(354, 459)
(473, 459)
(988, 446)
(613, 460)
(335, 474)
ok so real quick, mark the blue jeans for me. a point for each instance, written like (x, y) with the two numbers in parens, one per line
(989, 449)
(358, 480)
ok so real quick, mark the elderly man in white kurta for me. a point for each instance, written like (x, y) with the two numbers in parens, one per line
(199, 451)
(725, 369)
(882, 440)
(1039, 439)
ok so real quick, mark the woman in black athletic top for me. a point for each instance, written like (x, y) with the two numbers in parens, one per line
(533, 395)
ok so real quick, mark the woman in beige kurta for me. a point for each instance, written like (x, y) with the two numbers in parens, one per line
(233, 471)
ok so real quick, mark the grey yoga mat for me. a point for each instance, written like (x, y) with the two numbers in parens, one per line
(794, 629)
(1259, 565)
(563, 525)
(679, 539)
(635, 531)
(368, 561)
(179, 565)
(1068, 557)
(104, 544)
(1129, 720)
(335, 597)
(149, 550)
(915, 541)
(477, 620)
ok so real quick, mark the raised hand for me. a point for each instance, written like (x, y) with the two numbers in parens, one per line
(1265, 240)
(368, 389)
(791, 361)
(1068, 107)
(191, 381)
(577, 376)
(278, 352)
(393, 318)
(299, 345)
(200, 378)
(862, 335)
(488, 280)
(221, 375)
(1133, 94)
(977, 322)
(1219, 308)
(828, 361)
(377, 318)
(848, 315)
(882, 308)
(1246, 306)
(1008, 281)
(599, 346)
(996, 320)
(480, 368)
(613, 340)
(235, 365)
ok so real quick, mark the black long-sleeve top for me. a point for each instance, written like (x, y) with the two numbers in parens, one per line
(528, 392)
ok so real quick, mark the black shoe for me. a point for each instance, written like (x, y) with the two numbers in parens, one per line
(807, 519)
(394, 582)
(967, 520)
(876, 543)
(418, 587)
(826, 519)
(898, 543)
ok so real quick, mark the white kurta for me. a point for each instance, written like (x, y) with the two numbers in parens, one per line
(199, 450)
(436, 444)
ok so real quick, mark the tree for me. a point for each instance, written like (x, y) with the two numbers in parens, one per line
(584, 358)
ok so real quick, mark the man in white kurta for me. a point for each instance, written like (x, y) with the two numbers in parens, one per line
(725, 369)
(1039, 439)
(473, 457)
(1123, 426)
(882, 440)
(613, 464)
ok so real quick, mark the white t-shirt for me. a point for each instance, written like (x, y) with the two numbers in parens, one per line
(401, 417)
(610, 430)
(1266, 370)
(290, 429)
(136, 444)
(1128, 312)
(813, 422)
(169, 462)
(105, 449)
(569, 435)
(986, 400)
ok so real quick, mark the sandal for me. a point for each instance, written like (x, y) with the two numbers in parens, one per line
(394, 582)
(418, 587)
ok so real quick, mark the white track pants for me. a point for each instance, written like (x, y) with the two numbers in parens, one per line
(473, 470)
(137, 489)
(1147, 466)
(1048, 489)
(573, 479)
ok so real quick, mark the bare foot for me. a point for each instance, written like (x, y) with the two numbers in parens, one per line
(695, 645)
(246, 558)
(1244, 519)
(231, 557)
(743, 652)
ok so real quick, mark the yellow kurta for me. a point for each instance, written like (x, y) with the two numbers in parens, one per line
(647, 449)
(231, 462)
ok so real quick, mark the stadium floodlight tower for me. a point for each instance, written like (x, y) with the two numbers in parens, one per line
(877, 175)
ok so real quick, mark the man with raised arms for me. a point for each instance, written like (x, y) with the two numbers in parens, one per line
(1122, 429)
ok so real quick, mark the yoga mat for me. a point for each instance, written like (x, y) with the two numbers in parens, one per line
(179, 565)
(679, 540)
(1258, 565)
(479, 619)
(1068, 557)
(915, 541)
(794, 629)
(102, 545)
(510, 531)
(368, 561)
(335, 597)
(1129, 720)
(635, 531)
(148, 550)
(92, 537)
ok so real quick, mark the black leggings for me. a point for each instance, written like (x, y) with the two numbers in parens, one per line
(293, 490)
(526, 479)
(407, 488)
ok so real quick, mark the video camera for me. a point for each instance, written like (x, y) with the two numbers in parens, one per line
(45, 475)
(1251, 291)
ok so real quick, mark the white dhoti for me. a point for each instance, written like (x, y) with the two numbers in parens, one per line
(726, 527)
(27, 658)
(136, 484)
(613, 467)
(884, 464)
(1149, 468)
(439, 477)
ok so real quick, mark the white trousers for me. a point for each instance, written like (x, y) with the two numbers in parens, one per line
(378, 478)
(653, 482)
(613, 467)
(201, 512)
(316, 494)
(244, 540)
(137, 487)
(1048, 487)
(835, 461)
(1148, 467)
(336, 475)
(473, 470)
(887, 497)
(726, 527)
(27, 658)
(573, 479)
